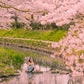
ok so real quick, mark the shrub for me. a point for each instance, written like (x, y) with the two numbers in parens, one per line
(18, 25)
(50, 26)
(53, 25)
(36, 25)
(17, 60)
(65, 26)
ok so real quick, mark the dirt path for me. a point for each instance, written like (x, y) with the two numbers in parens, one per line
(29, 39)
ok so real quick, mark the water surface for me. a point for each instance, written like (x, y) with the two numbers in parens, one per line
(43, 78)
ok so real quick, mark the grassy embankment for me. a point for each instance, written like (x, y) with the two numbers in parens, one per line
(47, 35)
(17, 57)
(6, 55)
(25, 43)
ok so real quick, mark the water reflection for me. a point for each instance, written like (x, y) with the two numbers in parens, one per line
(76, 80)
(43, 78)
(47, 78)
(30, 77)
(70, 81)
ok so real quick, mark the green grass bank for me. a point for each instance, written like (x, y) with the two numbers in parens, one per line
(47, 35)
(17, 57)
(10, 57)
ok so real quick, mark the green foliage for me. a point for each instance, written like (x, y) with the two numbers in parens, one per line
(72, 23)
(50, 26)
(80, 60)
(18, 25)
(10, 70)
(30, 43)
(56, 35)
(36, 25)
(80, 52)
(17, 58)
(63, 27)
(53, 25)
(65, 48)
(47, 26)
(7, 54)
(47, 35)
(73, 50)
(75, 31)
(2, 67)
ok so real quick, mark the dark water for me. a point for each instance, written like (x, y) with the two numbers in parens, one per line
(43, 78)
